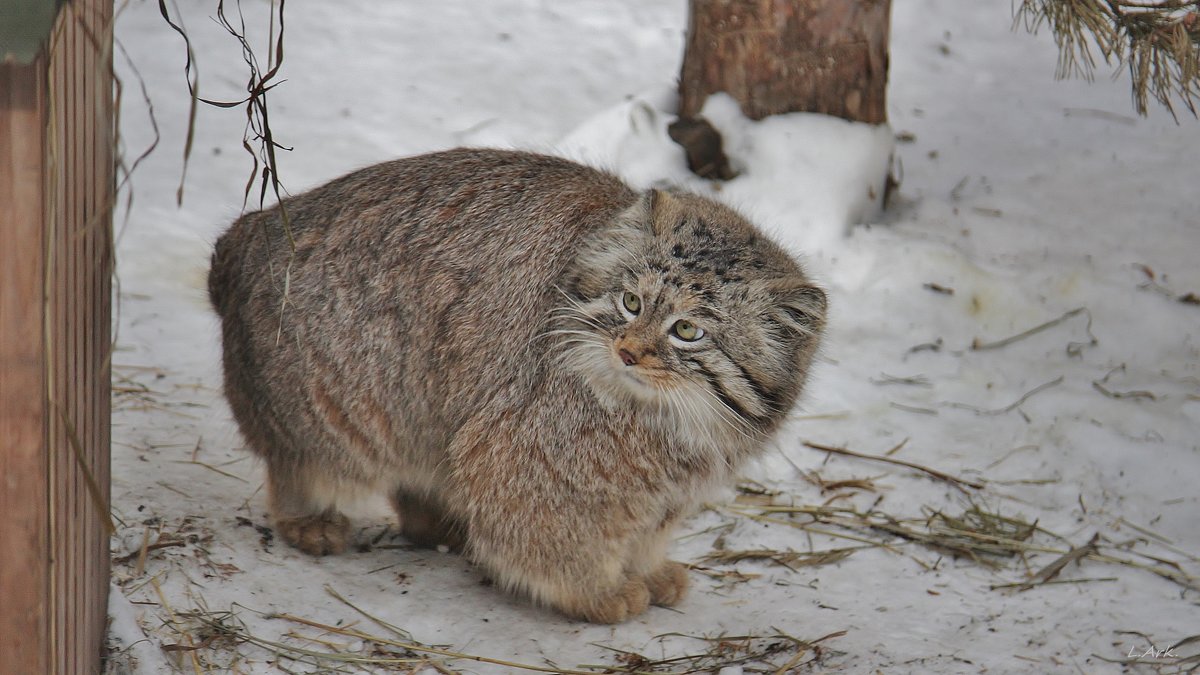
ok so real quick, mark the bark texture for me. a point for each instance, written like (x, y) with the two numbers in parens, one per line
(780, 56)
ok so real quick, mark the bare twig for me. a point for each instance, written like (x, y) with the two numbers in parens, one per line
(394, 630)
(1098, 385)
(914, 380)
(979, 345)
(898, 462)
(1021, 585)
(1052, 570)
(1123, 394)
(1012, 406)
(935, 346)
(913, 409)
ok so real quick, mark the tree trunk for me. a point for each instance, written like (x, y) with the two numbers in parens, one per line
(780, 56)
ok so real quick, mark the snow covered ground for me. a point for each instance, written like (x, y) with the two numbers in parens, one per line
(1023, 201)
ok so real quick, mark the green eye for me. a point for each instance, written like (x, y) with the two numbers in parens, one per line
(686, 330)
(632, 302)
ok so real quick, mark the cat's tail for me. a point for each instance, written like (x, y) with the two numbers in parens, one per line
(223, 269)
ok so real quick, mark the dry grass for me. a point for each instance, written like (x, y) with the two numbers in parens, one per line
(789, 559)
(201, 640)
(778, 653)
(205, 641)
(983, 535)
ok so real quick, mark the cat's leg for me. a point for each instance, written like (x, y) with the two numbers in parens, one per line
(425, 522)
(583, 580)
(542, 520)
(626, 601)
(563, 551)
(555, 548)
(303, 506)
(666, 579)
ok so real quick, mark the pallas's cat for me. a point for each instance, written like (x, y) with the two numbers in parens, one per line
(540, 366)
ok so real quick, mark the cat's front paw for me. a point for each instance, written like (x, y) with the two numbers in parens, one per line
(668, 584)
(630, 600)
(321, 534)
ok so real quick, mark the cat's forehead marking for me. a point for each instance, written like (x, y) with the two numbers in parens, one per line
(714, 262)
(671, 291)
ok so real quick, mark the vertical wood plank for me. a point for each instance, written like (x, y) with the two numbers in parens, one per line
(24, 487)
(56, 183)
(87, 329)
(102, 321)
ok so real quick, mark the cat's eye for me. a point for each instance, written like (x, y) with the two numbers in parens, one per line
(686, 330)
(631, 302)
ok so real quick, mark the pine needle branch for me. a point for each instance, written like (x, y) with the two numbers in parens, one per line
(1157, 41)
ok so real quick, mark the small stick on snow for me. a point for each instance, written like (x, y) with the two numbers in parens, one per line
(1098, 385)
(912, 409)
(914, 380)
(938, 288)
(1012, 452)
(1050, 571)
(1123, 394)
(1012, 406)
(979, 345)
(898, 462)
(1161, 540)
(935, 346)
(1020, 586)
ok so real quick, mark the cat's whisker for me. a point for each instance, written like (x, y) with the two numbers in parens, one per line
(561, 331)
(581, 354)
(574, 302)
(683, 406)
(727, 414)
(714, 440)
(565, 294)
(579, 315)
(589, 322)
(585, 343)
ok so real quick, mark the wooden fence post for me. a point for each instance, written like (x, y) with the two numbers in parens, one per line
(56, 196)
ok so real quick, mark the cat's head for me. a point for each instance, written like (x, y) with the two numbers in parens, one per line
(684, 307)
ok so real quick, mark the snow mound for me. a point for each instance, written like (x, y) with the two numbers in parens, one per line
(803, 177)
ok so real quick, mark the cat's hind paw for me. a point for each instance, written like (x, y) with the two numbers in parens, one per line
(321, 534)
(630, 600)
(668, 584)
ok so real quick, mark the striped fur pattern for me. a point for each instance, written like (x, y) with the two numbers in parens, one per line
(543, 368)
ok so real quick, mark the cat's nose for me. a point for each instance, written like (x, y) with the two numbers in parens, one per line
(627, 358)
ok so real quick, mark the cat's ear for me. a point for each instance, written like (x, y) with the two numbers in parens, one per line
(615, 247)
(655, 213)
(636, 218)
(798, 304)
(665, 212)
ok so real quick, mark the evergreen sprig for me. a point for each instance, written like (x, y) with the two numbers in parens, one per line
(1157, 41)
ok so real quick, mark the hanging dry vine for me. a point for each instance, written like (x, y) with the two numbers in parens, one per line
(258, 140)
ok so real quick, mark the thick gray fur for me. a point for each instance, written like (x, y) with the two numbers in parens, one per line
(454, 330)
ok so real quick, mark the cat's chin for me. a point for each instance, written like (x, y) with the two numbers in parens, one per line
(617, 386)
(639, 386)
